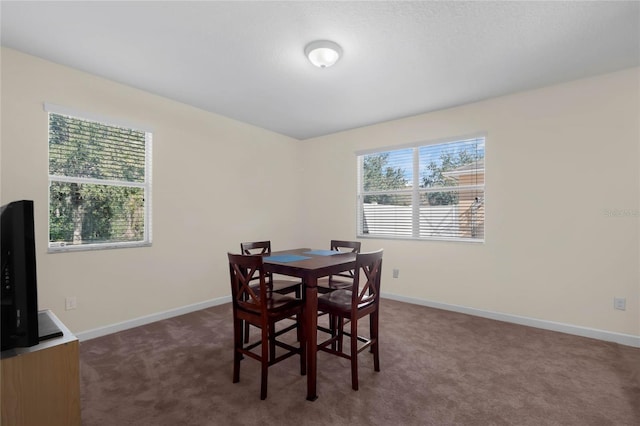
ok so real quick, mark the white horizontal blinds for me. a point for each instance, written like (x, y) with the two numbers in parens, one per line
(425, 192)
(452, 189)
(387, 192)
(391, 216)
(87, 149)
(98, 178)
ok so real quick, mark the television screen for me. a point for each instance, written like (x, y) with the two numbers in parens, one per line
(19, 303)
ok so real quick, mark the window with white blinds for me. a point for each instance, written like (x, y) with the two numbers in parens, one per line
(426, 192)
(99, 183)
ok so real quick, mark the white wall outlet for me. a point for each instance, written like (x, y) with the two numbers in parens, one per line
(620, 303)
(70, 303)
(396, 272)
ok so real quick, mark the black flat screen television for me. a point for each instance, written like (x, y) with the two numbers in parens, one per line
(19, 308)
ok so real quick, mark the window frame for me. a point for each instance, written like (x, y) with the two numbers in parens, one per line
(416, 191)
(58, 247)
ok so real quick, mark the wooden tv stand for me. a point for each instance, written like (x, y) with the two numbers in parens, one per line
(41, 384)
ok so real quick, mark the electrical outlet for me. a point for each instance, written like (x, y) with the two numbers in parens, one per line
(396, 272)
(620, 303)
(70, 303)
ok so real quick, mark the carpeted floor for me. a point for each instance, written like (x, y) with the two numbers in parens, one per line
(438, 368)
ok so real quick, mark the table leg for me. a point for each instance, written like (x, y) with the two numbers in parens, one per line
(311, 323)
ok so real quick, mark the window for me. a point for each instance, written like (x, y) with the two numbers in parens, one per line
(99, 183)
(433, 191)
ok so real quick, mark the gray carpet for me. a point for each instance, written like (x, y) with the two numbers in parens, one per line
(438, 368)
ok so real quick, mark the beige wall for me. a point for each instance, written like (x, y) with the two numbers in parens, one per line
(215, 182)
(558, 159)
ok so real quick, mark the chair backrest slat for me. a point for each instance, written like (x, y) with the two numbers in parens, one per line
(366, 283)
(262, 248)
(243, 269)
(351, 246)
(347, 247)
(256, 247)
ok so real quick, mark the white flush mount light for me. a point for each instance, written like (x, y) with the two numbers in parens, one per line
(323, 53)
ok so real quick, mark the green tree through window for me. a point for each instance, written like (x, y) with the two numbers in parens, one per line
(435, 175)
(379, 176)
(99, 183)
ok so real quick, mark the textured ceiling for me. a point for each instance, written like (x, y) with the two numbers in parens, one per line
(245, 60)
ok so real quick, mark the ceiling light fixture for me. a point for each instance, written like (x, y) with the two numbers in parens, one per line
(323, 53)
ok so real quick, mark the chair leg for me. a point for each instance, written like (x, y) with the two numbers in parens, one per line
(354, 353)
(237, 345)
(332, 327)
(246, 332)
(302, 339)
(371, 325)
(272, 341)
(264, 360)
(340, 330)
(373, 330)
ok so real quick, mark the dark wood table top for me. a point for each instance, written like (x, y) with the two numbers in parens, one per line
(315, 266)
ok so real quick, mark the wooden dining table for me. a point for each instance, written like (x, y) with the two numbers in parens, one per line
(309, 265)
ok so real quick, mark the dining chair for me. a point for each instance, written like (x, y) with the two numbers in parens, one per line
(348, 306)
(281, 286)
(343, 279)
(261, 307)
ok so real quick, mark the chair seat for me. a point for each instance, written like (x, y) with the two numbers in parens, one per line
(325, 284)
(282, 286)
(275, 304)
(285, 286)
(338, 299)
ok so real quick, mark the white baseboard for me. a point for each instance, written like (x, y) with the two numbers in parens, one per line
(623, 339)
(609, 336)
(136, 322)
